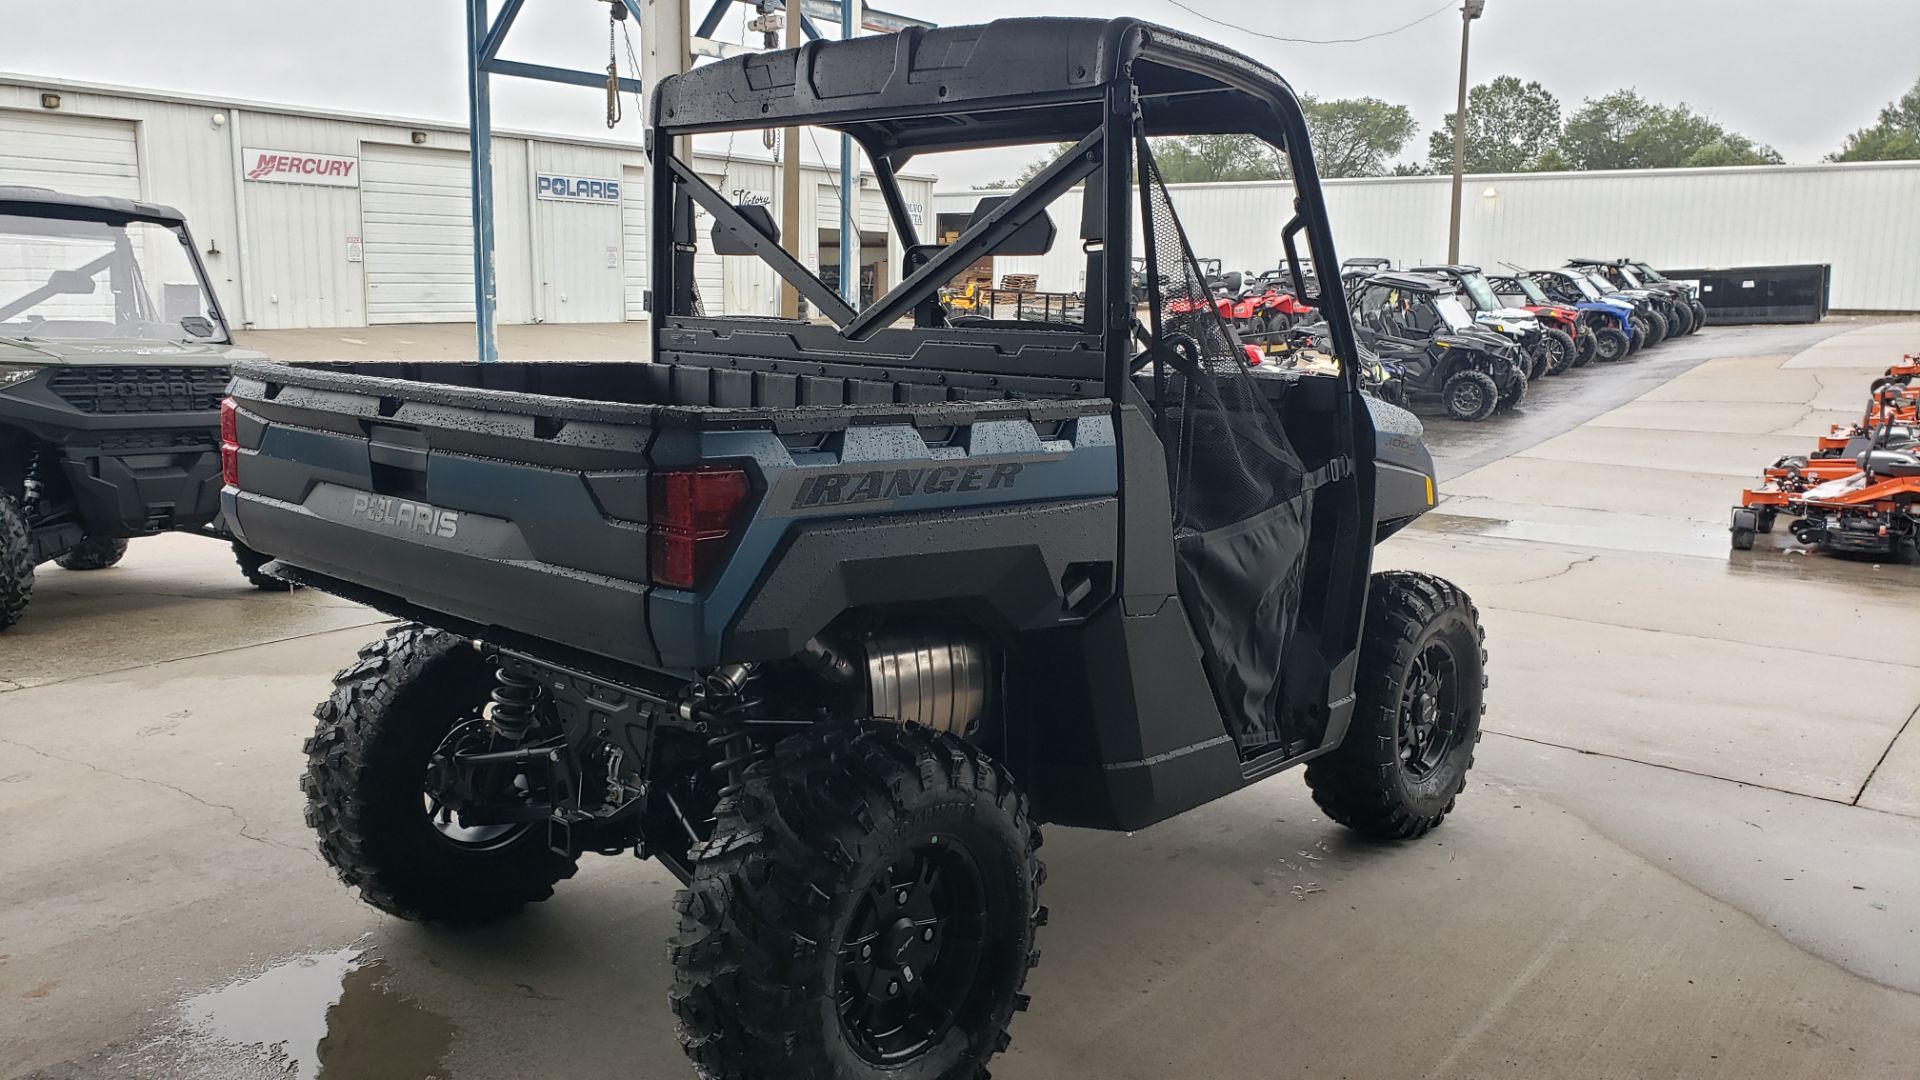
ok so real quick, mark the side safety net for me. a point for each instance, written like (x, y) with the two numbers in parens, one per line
(1242, 501)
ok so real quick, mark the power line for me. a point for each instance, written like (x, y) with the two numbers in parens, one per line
(1203, 16)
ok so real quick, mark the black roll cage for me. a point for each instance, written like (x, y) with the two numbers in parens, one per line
(1099, 84)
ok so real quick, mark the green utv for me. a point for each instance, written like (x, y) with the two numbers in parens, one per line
(113, 359)
(831, 617)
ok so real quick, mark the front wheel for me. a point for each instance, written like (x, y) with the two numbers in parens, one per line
(1681, 323)
(1416, 717)
(1586, 344)
(16, 563)
(1657, 328)
(865, 910)
(1513, 395)
(1470, 395)
(1699, 316)
(1561, 352)
(1611, 346)
(380, 825)
(1638, 339)
(93, 553)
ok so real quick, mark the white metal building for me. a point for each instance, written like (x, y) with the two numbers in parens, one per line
(1864, 219)
(313, 219)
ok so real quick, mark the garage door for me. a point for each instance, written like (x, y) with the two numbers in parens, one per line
(79, 155)
(633, 240)
(416, 221)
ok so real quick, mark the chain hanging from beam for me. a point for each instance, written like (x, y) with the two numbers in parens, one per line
(616, 14)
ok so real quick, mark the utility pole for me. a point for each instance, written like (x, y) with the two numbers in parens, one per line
(1471, 11)
(790, 186)
(850, 239)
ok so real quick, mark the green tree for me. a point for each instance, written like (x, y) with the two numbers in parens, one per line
(1896, 137)
(1357, 136)
(1511, 127)
(1212, 159)
(1626, 131)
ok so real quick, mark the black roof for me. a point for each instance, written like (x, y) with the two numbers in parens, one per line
(1001, 83)
(1446, 268)
(60, 204)
(1409, 279)
(1596, 262)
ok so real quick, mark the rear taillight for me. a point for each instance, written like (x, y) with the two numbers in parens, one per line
(1253, 355)
(693, 511)
(229, 443)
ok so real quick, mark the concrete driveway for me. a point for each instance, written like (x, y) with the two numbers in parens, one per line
(1688, 850)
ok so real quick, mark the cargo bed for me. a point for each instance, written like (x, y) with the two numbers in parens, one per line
(511, 500)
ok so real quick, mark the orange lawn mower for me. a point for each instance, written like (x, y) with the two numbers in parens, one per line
(1868, 503)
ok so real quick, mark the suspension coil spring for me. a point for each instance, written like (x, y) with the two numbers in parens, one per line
(514, 709)
(736, 751)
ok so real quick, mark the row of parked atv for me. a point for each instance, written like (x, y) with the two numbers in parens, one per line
(1859, 489)
(1450, 335)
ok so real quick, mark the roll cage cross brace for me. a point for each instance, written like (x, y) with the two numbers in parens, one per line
(902, 96)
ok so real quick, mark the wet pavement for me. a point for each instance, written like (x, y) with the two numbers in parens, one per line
(1688, 849)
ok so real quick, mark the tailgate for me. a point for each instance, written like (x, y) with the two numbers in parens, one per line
(498, 511)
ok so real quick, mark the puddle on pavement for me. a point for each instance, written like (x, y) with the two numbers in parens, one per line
(327, 1016)
(1641, 535)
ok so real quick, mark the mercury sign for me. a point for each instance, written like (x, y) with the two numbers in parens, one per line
(294, 167)
(585, 189)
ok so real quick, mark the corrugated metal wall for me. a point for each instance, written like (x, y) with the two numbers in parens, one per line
(279, 253)
(1863, 219)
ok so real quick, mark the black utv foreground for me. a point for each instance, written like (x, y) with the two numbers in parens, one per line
(113, 359)
(831, 617)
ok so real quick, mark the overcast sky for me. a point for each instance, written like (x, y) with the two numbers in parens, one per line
(1790, 73)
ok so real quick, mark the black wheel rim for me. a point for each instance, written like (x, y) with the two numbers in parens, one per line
(446, 822)
(909, 959)
(1429, 711)
(1467, 397)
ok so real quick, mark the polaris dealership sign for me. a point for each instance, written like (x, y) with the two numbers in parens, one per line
(294, 167)
(587, 189)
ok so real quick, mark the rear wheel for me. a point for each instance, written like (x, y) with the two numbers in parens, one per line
(16, 563)
(1416, 716)
(1470, 395)
(865, 910)
(1611, 345)
(1561, 352)
(93, 553)
(379, 825)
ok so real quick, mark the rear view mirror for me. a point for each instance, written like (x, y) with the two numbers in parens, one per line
(71, 282)
(1034, 238)
(728, 242)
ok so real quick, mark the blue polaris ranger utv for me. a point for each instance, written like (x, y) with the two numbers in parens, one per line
(832, 616)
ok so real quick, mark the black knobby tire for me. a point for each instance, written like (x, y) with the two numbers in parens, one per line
(250, 563)
(805, 858)
(1639, 339)
(1586, 345)
(1699, 316)
(1538, 362)
(1561, 352)
(1657, 328)
(1470, 395)
(1610, 346)
(1681, 324)
(93, 554)
(366, 771)
(1377, 782)
(1513, 395)
(16, 563)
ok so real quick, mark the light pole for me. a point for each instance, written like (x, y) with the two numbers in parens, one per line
(1470, 11)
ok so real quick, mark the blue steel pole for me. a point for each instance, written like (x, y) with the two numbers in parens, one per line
(849, 185)
(480, 160)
